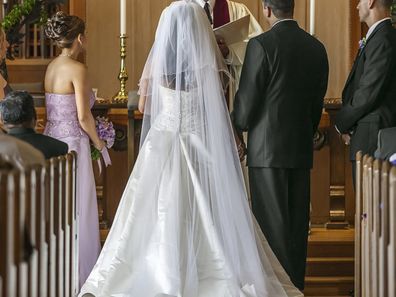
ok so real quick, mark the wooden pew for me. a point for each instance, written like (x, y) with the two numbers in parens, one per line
(38, 207)
(392, 235)
(375, 235)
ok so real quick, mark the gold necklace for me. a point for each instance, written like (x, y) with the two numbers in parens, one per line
(65, 55)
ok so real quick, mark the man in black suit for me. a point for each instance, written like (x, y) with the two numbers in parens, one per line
(279, 103)
(18, 115)
(369, 95)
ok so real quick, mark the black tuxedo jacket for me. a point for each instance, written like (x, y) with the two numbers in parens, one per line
(50, 147)
(280, 97)
(369, 95)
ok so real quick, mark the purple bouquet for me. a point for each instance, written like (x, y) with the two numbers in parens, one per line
(106, 132)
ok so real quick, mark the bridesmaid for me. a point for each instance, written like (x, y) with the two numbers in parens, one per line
(69, 99)
(4, 87)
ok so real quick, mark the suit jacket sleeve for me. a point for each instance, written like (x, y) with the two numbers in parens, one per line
(317, 105)
(252, 85)
(368, 94)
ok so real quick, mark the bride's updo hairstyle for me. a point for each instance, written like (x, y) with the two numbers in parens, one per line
(63, 29)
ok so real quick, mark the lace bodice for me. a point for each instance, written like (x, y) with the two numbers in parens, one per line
(62, 117)
(179, 113)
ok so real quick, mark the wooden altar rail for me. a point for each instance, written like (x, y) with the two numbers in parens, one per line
(375, 228)
(38, 249)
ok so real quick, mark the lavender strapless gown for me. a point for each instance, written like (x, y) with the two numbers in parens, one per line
(63, 124)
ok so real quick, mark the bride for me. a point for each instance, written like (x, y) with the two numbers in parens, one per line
(183, 227)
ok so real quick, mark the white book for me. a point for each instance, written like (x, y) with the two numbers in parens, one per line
(234, 32)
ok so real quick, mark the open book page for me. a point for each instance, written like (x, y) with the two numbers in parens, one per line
(234, 32)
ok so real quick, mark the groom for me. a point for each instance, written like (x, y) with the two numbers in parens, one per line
(279, 103)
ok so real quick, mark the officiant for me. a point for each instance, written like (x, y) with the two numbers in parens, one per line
(221, 12)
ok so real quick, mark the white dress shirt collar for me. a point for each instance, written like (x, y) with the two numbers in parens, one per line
(202, 4)
(280, 21)
(372, 28)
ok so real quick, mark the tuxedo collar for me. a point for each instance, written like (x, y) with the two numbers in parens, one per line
(379, 26)
(285, 23)
(386, 22)
(20, 130)
(374, 26)
(281, 21)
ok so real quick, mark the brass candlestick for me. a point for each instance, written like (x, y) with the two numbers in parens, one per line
(122, 95)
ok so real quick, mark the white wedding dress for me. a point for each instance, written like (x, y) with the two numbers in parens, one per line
(184, 227)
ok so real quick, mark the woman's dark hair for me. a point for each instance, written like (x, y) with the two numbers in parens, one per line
(63, 29)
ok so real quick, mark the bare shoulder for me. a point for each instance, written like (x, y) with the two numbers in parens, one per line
(66, 66)
(78, 69)
(78, 66)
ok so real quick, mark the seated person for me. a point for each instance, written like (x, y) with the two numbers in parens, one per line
(19, 119)
(386, 146)
(18, 154)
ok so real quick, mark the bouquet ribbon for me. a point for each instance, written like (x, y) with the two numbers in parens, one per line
(106, 159)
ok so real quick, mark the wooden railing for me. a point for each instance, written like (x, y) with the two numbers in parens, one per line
(375, 229)
(38, 250)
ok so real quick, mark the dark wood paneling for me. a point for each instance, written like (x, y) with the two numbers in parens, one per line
(19, 73)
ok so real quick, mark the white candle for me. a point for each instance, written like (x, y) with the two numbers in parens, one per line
(312, 18)
(123, 17)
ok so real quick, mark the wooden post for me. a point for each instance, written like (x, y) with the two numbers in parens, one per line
(376, 226)
(60, 225)
(44, 228)
(51, 240)
(7, 234)
(392, 234)
(358, 224)
(364, 229)
(337, 171)
(384, 230)
(71, 169)
(32, 212)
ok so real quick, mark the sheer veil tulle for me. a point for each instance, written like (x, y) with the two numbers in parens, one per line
(186, 59)
(184, 227)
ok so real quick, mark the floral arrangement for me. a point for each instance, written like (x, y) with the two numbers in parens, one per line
(28, 12)
(106, 132)
(362, 43)
(393, 12)
(21, 11)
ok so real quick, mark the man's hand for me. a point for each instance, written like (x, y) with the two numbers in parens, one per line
(346, 138)
(222, 46)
